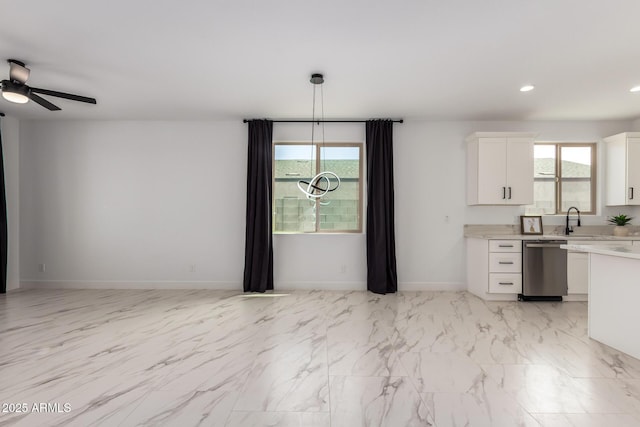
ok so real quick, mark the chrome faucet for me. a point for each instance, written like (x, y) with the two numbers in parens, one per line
(569, 229)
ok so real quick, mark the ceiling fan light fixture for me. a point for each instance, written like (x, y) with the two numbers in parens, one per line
(635, 89)
(12, 92)
(527, 88)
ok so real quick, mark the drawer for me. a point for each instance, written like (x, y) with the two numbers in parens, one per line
(505, 245)
(500, 283)
(505, 262)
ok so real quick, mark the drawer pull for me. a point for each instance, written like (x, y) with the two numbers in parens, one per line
(506, 283)
(505, 262)
(505, 246)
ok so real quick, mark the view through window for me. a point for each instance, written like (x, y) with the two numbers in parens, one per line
(339, 210)
(564, 176)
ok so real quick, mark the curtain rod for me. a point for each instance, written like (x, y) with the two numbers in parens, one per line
(321, 121)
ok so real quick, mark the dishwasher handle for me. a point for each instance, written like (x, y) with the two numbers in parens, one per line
(543, 245)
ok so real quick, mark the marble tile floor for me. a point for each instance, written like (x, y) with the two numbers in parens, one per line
(322, 358)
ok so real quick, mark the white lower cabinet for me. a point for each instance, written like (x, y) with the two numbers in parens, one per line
(578, 265)
(494, 268)
(577, 272)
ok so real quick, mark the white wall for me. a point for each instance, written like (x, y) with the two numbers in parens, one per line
(10, 147)
(133, 203)
(124, 204)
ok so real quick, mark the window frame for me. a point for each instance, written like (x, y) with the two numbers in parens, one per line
(318, 147)
(559, 179)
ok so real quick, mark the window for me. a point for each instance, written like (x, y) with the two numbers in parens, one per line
(339, 211)
(564, 176)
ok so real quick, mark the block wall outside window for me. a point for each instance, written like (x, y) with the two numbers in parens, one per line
(339, 210)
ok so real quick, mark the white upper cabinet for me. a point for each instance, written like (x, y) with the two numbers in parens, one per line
(500, 168)
(623, 169)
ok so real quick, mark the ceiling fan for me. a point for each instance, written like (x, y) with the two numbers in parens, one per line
(15, 89)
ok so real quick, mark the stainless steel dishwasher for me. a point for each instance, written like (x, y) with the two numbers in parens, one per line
(544, 270)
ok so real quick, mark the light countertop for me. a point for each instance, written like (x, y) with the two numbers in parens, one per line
(619, 251)
(512, 232)
(578, 237)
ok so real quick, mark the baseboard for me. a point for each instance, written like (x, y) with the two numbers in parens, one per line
(576, 297)
(323, 286)
(80, 284)
(432, 286)
(281, 286)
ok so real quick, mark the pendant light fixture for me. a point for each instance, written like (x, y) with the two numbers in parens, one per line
(326, 181)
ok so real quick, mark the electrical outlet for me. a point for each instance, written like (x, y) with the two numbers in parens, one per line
(42, 268)
(192, 268)
(343, 268)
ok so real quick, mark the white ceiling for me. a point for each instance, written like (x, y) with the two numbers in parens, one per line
(230, 59)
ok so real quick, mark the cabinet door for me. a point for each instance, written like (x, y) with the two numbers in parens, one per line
(519, 171)
(492, 171)
(633, 171)
(616, 175)
(577, 273)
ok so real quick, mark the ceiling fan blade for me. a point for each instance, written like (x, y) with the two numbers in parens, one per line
(17, 71)
(64, 95)
(46, 104)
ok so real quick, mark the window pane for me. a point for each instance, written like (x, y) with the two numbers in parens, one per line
(293, 211)
(544, 197)
(576, 162)
(544, 165)
(339, 209)
(576, 192)
(544, 181)
(576, 177)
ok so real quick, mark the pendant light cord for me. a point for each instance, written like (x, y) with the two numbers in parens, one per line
(324, 164)
(313, 124)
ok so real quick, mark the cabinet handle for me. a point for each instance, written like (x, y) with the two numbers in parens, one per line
(630, 193)
(506, 283)
(504, 193)
(505, 246)
(509, 193)
(505, 262)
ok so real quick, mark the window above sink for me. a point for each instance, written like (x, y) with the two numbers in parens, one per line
(564, 176)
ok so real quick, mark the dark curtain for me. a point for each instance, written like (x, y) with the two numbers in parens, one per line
(381, 241)
(3, 225)
(258, 253)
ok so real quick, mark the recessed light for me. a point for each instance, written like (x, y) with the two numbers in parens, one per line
(635, 89)
(527, 88)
